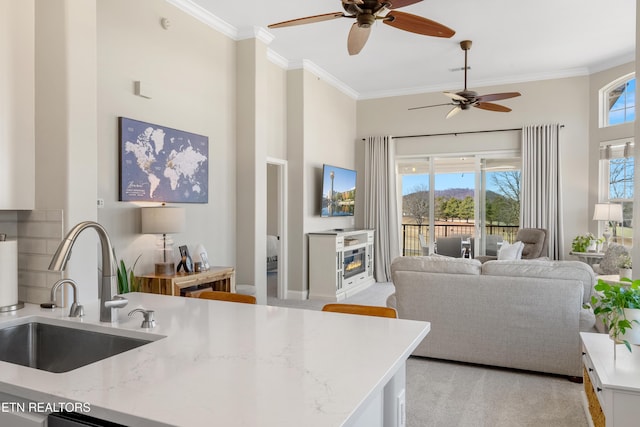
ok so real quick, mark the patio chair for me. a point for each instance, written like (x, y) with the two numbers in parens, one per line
(449, 246)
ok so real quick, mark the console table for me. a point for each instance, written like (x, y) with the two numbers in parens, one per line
(588, 257)
(612, 387)
(217, 278)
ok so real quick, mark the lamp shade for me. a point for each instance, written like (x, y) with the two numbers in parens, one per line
(163, 220)
(607, 212)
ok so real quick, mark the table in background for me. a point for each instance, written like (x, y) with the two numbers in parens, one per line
(588, 257)
(216, 278)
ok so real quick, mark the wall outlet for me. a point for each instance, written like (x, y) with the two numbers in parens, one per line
(401, 407)
(100, 203)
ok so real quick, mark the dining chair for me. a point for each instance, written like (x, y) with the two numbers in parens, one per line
(228, 296)
(449, 246)
(366, 310)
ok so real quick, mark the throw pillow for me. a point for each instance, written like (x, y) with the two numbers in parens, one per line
(510, 251)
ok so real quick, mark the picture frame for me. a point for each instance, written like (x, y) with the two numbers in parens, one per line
(162, 164)
(185, 260)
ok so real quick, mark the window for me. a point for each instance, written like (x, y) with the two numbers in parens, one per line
(616, 177)
(618, 101)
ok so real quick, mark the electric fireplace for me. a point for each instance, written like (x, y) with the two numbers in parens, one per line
(354, 262)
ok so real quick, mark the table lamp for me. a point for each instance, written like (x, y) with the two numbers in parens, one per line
(608, 213)
(163, 220)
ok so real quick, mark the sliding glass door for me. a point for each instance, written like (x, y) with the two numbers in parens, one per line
(476, 198)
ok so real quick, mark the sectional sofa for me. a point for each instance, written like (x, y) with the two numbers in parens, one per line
(517, 314)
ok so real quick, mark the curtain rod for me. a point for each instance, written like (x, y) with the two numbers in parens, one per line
(457, 133)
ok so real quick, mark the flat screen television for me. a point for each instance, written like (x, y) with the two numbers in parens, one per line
(338, 191)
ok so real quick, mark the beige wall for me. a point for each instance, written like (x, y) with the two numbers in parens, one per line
(191, 71)
(565, 101)
(321, 129)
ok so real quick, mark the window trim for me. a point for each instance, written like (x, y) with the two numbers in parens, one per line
(603, 120)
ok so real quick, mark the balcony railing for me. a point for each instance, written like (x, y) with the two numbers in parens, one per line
(411, 243)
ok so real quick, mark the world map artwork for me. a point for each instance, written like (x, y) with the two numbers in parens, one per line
(162, 164)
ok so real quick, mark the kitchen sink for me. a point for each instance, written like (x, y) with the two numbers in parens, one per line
(56, 348)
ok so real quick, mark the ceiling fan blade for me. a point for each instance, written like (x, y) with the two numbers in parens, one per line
(358, 36)
(454, 111)
(308, 20)
(497, 96)
(429, 106)
(492, 107)
(417, 24)
(402, 3)
(455, 96)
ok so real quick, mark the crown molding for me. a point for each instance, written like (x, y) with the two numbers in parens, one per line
(324, 75)
(206, 17)
(277, 59)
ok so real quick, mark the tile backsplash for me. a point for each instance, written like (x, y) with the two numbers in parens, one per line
(38, 232)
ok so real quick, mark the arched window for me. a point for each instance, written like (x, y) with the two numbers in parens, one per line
(618, 101)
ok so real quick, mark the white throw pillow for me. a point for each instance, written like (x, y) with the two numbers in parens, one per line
(509, 251)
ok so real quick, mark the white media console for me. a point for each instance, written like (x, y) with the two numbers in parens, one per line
(340, 263)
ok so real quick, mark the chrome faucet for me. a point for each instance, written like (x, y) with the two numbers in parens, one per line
(76, 310)
(108, 303)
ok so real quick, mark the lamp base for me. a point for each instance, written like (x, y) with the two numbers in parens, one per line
(165, 268)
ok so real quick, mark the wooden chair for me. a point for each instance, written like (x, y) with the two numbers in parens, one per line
(228, 296)
(366, 310)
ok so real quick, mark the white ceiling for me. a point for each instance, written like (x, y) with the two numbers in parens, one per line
(513, 41)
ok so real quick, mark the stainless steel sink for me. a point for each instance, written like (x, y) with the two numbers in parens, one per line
(57, 348)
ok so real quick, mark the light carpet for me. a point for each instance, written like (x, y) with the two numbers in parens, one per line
(449, 394)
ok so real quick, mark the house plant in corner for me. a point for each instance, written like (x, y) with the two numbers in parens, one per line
(618, 305)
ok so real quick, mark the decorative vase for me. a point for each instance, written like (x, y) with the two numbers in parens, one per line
(632, 335)
(625, 272)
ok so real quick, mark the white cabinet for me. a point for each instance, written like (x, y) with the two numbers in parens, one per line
(612, 387)
(340, 263)
(17, 106)
(16, 412)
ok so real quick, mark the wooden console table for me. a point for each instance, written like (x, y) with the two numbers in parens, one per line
(217, 278)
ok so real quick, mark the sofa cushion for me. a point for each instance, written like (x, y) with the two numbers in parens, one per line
(570, 270)
(437, 264)
(510, 251)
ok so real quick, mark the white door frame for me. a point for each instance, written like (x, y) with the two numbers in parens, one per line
(282, 225)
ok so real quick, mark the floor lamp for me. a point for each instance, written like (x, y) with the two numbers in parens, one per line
(608, 213)
(162, 220)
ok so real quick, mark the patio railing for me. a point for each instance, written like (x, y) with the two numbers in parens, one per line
(411, 243)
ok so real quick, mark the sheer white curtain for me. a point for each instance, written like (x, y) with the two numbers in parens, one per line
(541, 205)
(380, 202)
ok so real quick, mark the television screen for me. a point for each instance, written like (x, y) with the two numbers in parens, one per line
(338, 191)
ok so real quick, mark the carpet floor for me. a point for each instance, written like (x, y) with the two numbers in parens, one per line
(450, 394)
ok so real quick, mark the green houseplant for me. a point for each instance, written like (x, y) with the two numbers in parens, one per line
(582, 242)
(612, 303)
(127, 281)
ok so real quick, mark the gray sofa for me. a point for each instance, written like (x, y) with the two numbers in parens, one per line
(514, 314)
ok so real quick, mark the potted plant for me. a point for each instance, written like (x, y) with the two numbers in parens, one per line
(127, 281)
(584, 243)
(625, 267)
(618, 305)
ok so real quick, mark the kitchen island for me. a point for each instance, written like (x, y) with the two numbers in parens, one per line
(230, 364)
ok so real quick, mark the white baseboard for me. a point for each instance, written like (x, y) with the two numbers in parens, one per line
(297, 295)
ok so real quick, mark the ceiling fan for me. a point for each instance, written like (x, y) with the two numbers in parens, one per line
(366, 12)
(467, 98)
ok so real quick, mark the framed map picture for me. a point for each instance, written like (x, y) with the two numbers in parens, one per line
(161, 164)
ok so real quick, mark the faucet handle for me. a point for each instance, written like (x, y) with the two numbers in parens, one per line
(149, 321)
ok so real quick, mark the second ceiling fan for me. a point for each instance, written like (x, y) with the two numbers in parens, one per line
(367, 12)
(465, 99)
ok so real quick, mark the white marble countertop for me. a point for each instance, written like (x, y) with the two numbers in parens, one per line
(227, 364)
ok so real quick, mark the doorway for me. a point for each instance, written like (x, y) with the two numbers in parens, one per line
(276, 228)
